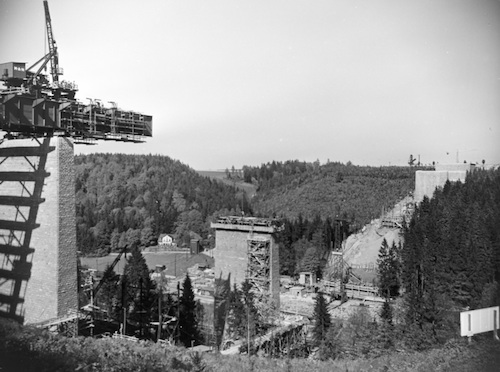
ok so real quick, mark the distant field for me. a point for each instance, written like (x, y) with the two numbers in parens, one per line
(249, 189)
(213, 174)
(176, 263)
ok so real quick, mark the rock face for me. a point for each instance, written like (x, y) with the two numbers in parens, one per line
(361, 249)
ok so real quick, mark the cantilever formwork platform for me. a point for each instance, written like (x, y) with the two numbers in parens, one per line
(245, 249)
(24, 113)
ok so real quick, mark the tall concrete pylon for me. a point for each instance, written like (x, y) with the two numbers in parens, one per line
(38, 259)
(245, 248)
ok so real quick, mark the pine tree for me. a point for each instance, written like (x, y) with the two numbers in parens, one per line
(108, 295)
(250, 316)
(388, 270)
(322, 319)
(139, 290)
(236, 314)
(188, 324)
(221, 298)
(386, 312)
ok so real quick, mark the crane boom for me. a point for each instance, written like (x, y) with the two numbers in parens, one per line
(54, 58)
(111, 267)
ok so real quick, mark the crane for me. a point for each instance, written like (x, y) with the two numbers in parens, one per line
(52, 56)
(35, 104)
(112, 266)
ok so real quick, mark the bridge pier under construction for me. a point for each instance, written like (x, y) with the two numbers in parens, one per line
(38, 258)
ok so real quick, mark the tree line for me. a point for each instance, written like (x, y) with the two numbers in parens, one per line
(304, 244)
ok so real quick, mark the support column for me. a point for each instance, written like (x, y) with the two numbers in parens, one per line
(52, 289)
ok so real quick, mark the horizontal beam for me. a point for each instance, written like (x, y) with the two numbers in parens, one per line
(24, 151)
(15, 250)
(23, 176)
(20, 201)
(18, 225)
(21, 273)
(246, 228)
(6, 299)
(17, 318)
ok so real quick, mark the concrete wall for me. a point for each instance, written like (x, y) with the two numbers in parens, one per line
(426, 182)
(52, 288)
(231, 257)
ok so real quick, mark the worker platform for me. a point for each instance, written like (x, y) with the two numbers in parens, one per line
(42, 110)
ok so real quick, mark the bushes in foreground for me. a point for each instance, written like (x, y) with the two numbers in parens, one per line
(28, 349)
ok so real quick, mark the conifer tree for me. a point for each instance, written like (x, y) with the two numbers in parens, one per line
(221, 298)
(322, 319)
(250, 316)
(388, 270)
(188, 324)
(236, 314)
(108, 295)
(386, 312)
(139, 291)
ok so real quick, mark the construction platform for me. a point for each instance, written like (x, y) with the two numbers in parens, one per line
(24, 113)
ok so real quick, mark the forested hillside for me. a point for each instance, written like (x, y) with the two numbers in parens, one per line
(120, 198)
(334, 190)
(451, 254)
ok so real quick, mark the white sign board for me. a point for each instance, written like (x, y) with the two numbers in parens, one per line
(479, 321)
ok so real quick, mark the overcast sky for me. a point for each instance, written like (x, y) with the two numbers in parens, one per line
(232, 82)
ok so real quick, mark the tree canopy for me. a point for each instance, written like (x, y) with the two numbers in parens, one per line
(125, 199)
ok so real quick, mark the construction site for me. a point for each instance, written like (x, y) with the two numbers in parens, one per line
(42, 120)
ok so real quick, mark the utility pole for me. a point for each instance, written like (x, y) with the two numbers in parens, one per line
(248, 330)
(141, 305)
(177, 330)
(92, 306)
(160, 299)
(124, 306)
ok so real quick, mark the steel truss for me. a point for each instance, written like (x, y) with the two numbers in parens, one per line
(259, 264)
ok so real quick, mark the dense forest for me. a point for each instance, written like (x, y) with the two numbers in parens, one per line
(122, 199)
(333, 190)
(451, 253)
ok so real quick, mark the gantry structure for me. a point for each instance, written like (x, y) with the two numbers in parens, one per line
(41, 120)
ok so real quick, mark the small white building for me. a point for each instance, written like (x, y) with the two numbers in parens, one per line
(166, 240)
(307, 278)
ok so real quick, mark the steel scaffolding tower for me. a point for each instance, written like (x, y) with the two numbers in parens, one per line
(258, 268)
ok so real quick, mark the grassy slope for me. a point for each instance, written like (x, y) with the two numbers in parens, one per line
(249, 189)
(176, 263)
